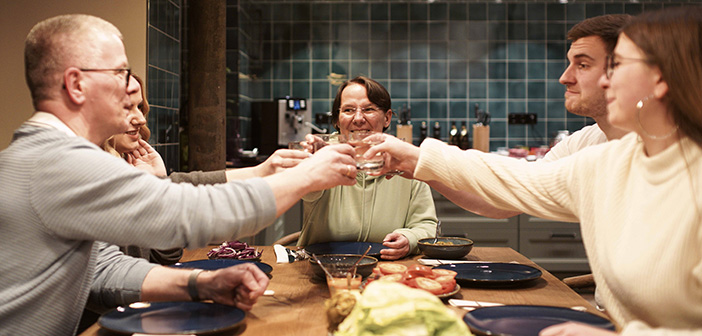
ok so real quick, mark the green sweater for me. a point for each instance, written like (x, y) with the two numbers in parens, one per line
(395, 205)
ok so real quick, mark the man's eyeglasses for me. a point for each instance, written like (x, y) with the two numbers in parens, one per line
(614, 62)
(349, 110)
(118, 71)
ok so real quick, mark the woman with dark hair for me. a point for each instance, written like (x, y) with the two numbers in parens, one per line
(396, 212)
(638, 199)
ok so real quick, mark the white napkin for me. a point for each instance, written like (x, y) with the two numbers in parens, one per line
(281, 254)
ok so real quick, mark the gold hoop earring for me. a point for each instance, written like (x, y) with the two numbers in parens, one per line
(639, 107)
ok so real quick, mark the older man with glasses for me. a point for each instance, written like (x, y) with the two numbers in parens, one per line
(63, 196)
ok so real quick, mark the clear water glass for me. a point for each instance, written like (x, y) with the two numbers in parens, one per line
(362, 141)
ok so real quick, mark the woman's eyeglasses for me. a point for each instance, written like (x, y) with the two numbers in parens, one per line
(349, 110)
(614, 62)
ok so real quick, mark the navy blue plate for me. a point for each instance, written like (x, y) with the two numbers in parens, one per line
(345, 248)
(498, 274)
(215, 264)
(172, 318)
(526, 320)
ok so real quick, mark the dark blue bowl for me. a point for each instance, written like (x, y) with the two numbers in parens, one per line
(445, 247)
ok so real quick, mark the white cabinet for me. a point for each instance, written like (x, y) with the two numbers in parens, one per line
(555, 246)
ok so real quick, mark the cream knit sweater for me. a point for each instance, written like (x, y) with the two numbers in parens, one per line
(640, 219)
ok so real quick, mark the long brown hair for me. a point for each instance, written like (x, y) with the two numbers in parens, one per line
(144, 108)
(671, 39)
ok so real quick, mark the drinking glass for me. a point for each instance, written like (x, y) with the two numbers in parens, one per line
(343, 280)
(299, 145)
(362, 141)
(322, 140)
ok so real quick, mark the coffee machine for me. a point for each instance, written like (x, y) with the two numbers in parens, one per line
(279, 122)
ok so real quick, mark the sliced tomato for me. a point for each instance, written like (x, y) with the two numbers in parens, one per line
(411, 282)
(377, 271)
(392, 268)
(448, 283)
(429, 285)
(397, 277)
(443, 272)
(416, 271)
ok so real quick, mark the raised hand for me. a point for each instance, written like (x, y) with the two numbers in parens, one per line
(147, 158)
(311, 142)
(399, 155)
(281, 160)
(330, 166)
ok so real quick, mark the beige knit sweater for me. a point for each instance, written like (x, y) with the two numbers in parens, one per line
(640, 219)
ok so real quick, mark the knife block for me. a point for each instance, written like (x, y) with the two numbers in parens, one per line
(404, 132)
(481, 137)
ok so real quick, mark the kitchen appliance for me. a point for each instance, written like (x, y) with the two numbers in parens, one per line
(276, 123)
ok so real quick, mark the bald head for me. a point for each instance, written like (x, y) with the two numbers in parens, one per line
(57, 43)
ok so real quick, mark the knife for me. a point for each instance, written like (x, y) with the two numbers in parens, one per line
(472, 305)
(486, 118)
(437, 262)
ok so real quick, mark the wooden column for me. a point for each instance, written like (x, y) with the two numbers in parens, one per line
(207, 84)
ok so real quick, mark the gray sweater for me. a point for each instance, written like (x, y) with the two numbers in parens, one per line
(172, 256)
(61, 194)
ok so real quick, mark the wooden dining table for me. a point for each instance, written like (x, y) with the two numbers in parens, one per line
(296, 306)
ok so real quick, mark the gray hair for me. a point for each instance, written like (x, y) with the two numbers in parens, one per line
(57, 43)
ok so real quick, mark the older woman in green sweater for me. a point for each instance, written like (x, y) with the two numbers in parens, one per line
(396, 212)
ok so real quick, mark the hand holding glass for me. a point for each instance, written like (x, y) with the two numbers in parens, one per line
(362, 141)
(321, 140)
(298, 145)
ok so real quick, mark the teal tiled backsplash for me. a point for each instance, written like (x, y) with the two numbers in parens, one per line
(439, 58)
(163, 79)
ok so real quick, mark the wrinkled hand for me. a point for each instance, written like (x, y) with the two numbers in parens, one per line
(399, 155)
(239, 285)
(397, 246)
(281, 160)
(147, 158)
(574, 329)
(329, 167)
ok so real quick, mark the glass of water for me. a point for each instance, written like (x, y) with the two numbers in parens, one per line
(322, 140)
(362, 141)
